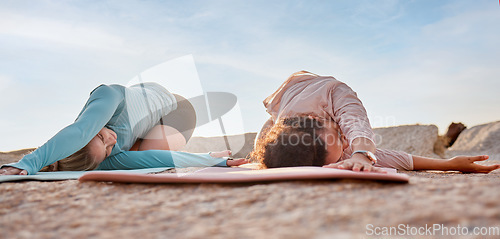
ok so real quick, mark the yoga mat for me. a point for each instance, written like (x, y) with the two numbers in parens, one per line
(243, 175)
(65, 175)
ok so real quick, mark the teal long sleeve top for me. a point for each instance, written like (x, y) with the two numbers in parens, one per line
(130, 112)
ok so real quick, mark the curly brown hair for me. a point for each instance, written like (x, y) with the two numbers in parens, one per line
(293, 141)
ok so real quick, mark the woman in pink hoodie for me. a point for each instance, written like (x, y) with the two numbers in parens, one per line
(318, 120)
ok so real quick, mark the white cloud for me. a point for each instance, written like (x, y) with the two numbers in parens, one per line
(75, 35)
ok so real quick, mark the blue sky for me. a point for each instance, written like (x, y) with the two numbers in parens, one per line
(428, 62)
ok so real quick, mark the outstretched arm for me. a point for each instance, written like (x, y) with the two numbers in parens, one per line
(465, 164)
(351, 116)
(165, 158)
(97, 112)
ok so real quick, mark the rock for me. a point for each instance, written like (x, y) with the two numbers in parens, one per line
(481, 139)
(241, 144)
(453, 132)
(441, 145)
(413, 139)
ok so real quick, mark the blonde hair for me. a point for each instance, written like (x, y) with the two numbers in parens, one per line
(79, 161)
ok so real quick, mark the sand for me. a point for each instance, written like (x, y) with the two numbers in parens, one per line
(296, 209)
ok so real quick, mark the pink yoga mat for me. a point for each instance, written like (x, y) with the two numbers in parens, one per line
(242, 175)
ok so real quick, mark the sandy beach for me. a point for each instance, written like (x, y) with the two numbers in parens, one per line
(292, 209)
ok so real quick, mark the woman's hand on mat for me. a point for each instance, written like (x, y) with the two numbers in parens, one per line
(357, 163)
(230, 162)
(236, 162)
(12, 171)
(466, 164)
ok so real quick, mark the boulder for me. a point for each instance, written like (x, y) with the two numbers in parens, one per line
(241, 145)
(453, 132)
(413, 139)
(480, 139)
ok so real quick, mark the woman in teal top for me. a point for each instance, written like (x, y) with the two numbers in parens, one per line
(123, 128)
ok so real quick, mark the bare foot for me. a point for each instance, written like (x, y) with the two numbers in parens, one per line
(225, 153)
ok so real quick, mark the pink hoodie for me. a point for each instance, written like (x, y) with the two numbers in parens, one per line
(324, 96)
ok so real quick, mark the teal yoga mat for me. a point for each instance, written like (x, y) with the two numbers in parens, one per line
(66, 175)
